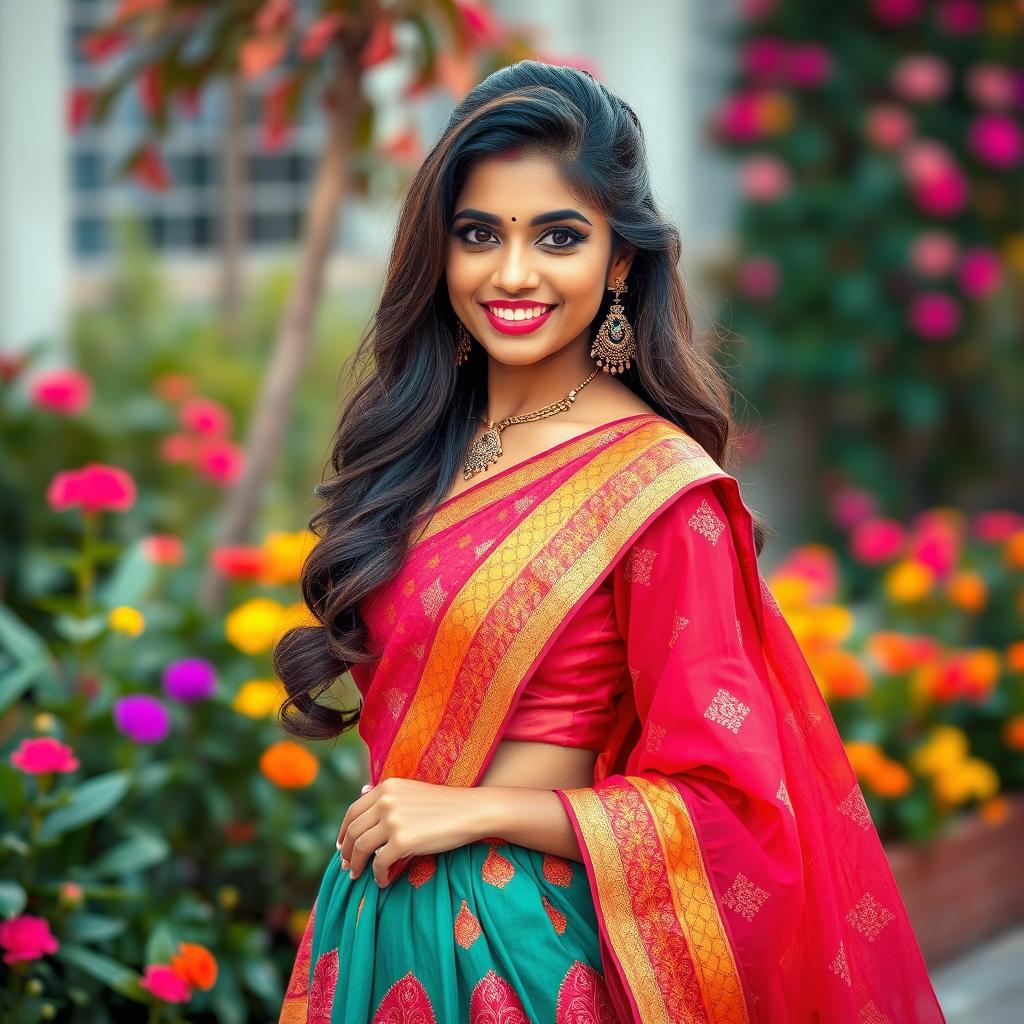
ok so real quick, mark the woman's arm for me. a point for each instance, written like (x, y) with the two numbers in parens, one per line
(534, 818)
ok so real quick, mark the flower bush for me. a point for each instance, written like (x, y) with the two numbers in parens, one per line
(922, 664)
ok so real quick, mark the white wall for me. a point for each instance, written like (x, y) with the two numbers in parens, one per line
(34, 259)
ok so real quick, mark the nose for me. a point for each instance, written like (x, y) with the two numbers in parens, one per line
(513, 272)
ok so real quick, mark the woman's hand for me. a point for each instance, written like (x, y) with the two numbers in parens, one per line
(407, 817)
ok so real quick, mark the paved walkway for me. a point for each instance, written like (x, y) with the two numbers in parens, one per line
(985, 985)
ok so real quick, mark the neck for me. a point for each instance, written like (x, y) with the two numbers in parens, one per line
(514, 390)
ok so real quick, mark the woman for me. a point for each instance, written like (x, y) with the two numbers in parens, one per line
(605, 786)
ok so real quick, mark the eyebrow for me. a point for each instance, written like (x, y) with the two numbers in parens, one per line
(541, 218)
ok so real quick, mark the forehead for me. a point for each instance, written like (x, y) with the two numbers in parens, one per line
(518, 186)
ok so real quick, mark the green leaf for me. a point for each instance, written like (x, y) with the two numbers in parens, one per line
(22, 643)
(130, 580)
(112, 973)
(12, 899)
(14, 682)
(134, 854)
(93, 927)
(89, 801)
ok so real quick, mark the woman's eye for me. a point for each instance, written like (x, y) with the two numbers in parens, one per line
(468, 234)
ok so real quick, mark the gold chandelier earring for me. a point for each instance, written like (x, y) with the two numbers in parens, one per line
(615, 344)
(463, 347)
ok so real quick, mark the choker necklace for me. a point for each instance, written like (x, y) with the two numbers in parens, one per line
(486, 449)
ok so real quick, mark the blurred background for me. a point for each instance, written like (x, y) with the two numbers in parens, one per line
(197, 201)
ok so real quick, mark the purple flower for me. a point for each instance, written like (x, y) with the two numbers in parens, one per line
(142, 718)
(189, 679)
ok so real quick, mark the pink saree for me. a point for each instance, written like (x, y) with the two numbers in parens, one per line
(733, 864)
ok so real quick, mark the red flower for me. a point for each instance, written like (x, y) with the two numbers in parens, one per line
(177, 448)
(259, 54)
(277, 114)
(478, 23)
(149, 169)
(93, 488)
(42, 755)
(219, 460)
(26, 938)
(66, 392)
(239, 561)
(163, 549)
(174, 387)
(151, 89)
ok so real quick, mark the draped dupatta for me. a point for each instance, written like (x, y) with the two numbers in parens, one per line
(735, 870)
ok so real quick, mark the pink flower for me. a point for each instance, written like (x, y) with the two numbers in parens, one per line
(204, 416)
(980, 272)
(934, 316)
(163, 549)
(877, 540)
(959, 17)
(176, 449)
(219, 460)
(737, 118)
(764, 58)
(754, 10)
(989, 85)
(764, 178)
(888, 126)
(165, 984)
(93, 488)
(996, 525)
(935, 543)
(996, 139)
(896, 12)
(921, 78)
(943, 195)
(852, 505)
(26, 938)
(66, 392)
(759, 277)
(810, 64)
(934, 253)
(817, 566)
(42, 755)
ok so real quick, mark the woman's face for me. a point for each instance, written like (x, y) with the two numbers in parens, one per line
(520, 238)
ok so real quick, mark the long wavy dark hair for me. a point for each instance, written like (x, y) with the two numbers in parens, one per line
(405, 427)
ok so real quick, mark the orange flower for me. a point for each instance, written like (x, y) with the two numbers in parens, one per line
(1013, 550)
(865, 757)
(896, 653)
(995, 811)
(981, 671)
(967, 590)
(195, 965)
(773, 112)
(1013, 732)
(289, 765)
(890, 779)
(1015, 656)
(844, 676)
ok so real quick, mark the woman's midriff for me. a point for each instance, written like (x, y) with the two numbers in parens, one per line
(539, 766)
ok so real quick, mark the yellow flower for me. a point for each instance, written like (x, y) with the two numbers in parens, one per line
(908, 581)
(971, 778)
(1013, 250)
(284, 554)
(790, 591)
(967, 591)
(833, 623)
(297, 921)
(127, 620)
(259, 698)
(945, 747)
(254, 626)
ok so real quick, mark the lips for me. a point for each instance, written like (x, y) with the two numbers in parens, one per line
(518, 326)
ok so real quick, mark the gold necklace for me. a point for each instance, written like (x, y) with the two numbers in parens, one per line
(487, 447)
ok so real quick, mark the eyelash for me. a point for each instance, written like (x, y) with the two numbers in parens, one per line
(575, 235)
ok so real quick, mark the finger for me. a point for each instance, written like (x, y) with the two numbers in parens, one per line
(382, 862)
(355, 808)
(364, 847)
(363, 823)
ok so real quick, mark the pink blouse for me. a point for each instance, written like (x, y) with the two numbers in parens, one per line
(570, 699)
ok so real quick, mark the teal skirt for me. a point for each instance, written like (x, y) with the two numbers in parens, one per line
(490, 931)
